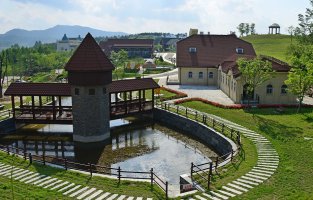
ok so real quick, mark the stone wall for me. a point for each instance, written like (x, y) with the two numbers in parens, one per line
(7, 126)
(208, 136)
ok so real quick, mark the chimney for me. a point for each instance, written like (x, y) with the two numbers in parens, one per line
(209, 33)
(201, 32)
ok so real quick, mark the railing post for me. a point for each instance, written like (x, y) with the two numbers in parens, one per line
(191, 170)
(223, 127)
(30, 158)
(210, 174)
(25, 155)
(151, 176)
(177, 109)
(231, 133)
(232, 154)
(216, 163)
(43, 158)
(8, 150)
(119, 174)
(186, 112)
(196, 116)
(213, 123)
(90, 169)
(65, 164)
(166, 189)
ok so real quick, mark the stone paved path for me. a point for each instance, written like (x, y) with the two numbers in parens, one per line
(268, 160)
(66, 188)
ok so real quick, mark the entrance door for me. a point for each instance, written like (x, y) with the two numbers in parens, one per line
(246, 94)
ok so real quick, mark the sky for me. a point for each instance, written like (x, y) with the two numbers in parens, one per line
(136, 16)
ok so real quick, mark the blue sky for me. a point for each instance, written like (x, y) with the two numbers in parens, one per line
(134, 16)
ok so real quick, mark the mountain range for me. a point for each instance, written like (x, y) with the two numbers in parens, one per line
(28, 38)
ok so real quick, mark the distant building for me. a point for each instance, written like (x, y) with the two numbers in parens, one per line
(135, 47)
(273, 27)
(169, 43)
(68, 44)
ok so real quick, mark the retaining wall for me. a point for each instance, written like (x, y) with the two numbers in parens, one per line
(7, 126)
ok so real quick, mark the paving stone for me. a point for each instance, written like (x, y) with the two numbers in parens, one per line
(5, 169)
(243, 184)
(264, 168)
(29, 177)
(86, 193)
(247, 181)
(34, 179)
(79, 191)
(251, 179)
(227, 193)
(8, 171)
(255, 176)
(12, 173)
(60, 185)
(72, 190)
(23, 175)
(41, 180)
(260, 174)
(4, 166)
(130, 198)
(113, 196)
(231, 190)
(219, 195)
(200, 197)
(94, 195)
(20, 173)
(262, 171)
(267, 166)
(121, 197)
(237, 187)
(210, 196)
(66, 187)
(52, 184)
(47, 182)
(103, 196)
(139, 198)
(149, 198)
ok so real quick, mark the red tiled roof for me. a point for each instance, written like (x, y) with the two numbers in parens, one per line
(212, 50)
(39, 89)
(64, 89)
(127, 42)
(89, 57)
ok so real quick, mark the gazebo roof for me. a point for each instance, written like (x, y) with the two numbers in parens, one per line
(89, 57)
(275, 25)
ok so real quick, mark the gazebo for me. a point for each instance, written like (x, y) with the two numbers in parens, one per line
(272, 27)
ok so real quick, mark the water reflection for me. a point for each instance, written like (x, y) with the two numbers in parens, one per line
(136, 147)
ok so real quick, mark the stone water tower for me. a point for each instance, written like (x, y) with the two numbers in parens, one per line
(89, 74)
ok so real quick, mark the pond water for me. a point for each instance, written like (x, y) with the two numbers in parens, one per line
(134, 147)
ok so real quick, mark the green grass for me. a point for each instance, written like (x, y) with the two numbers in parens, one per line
(129, 188)
(270, 45)
(293, 178)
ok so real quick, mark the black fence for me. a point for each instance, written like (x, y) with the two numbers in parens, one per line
(89, 167)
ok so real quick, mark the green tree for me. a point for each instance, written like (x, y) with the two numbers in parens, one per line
(252, 28)
(304, 32)
(118, 59)
(291, 31)
(241, 29)
(254, 72)
(247, 28)
(300, 77)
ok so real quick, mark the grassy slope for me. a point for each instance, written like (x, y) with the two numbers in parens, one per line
(271, 45)
(286, 131)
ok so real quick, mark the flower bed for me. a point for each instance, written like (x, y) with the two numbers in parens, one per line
(240, 106)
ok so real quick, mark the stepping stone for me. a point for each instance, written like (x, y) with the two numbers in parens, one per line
(267, 166)
(41, 180)
(14, 172)
(130, 198)
(237, 187)
(262, 171)
(227, 193)
(149, 198)
(79, 191)
(29, 177)
(72, 190)
(231, 190)
(210, 196)
(5, 169)
(47, 182)
(257, 177)
(264, 168)
(268, 163)
(52, 184)
(86, 193)
(23, 175)
(94, 195)
(243, 184)
(103, 196)
(219, 195)
(252, 179)
(200, 197)
(3, 166)
(60, 185)
(20, 173)
(121, 197)
(34, 179)
(247, 181)
(66, 187)
(139, 198)
(8, 171)
(113, 196)
(259, 174)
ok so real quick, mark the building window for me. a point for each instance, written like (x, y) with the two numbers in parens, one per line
(76, 91)
(192, 50)
(269, 89)
(211, 75)
(189, 74)
(239, 50)
(284, 89)
(200, 75)
(92, 91)
(104, 90)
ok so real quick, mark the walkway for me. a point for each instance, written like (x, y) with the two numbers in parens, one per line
(67, 188)
(268, 161)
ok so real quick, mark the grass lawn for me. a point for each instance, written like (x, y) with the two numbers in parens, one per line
(23, 191)
(294, 176)
(270, 45)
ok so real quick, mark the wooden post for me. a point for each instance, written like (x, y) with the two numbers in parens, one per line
(216, 163)
(21, 101)
(43, 153)
(144, 98)
(231, 133)
(30, 158)
(125, 102)
(53, 108)
(119, 174)
(187, 112)
(177, 109)
(191, 170)
(166, 189)
(223, 126)
(196, 116)
(90, 169)
(210, 174)
(60, 106)
(151, 176)
(152, 98)
(140, 101)
(213, 121)
(33, 107)
(13, 106)
(8, 150)
(40, 104)
(65, 164)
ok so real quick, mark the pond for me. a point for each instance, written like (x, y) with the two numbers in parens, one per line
(134, 147)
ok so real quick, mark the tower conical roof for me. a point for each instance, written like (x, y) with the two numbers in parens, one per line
(89, 57)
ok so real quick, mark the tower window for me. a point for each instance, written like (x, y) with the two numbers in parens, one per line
(192, 50)
(92, 91)
(76, 91)
(189, 74)
(200, 75)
